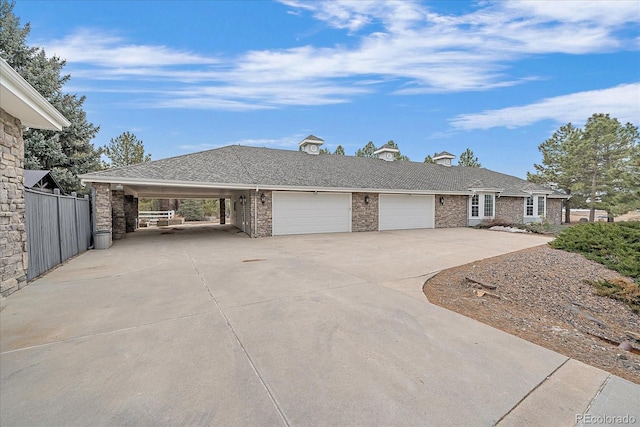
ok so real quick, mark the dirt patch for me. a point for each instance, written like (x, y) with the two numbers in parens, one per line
(541, 295)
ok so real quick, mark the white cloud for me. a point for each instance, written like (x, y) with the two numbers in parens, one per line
(622, 102)
(403, 42)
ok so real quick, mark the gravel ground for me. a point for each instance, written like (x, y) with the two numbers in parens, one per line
(541, 296)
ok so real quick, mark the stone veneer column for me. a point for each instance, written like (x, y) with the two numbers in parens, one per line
(131, 213)
(118, 222)
(223, 212)
(265, 213)
(103, 206)
(13, 233)
(364, 216)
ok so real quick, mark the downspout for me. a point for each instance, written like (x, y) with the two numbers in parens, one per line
(255, 213)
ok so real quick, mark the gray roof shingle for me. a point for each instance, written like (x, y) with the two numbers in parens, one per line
(286, 168)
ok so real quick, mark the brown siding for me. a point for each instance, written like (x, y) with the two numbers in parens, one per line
(13, 234)
(364, 216)
(453, 211)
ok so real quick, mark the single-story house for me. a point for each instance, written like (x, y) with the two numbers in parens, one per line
(277, 192)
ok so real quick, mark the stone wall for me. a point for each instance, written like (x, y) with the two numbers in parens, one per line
(510, 209)
(364, 216)
(453, 211)
(265, 214)
(131, 213)
(554, 211)
(118, 222)
(13, 233)
(103, 206)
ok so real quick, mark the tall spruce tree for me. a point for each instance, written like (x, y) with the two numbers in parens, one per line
(69, 152)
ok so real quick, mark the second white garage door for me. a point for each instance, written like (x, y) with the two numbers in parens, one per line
(305, 213)
(405, 211)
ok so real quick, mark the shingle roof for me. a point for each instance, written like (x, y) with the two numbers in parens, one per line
(266, 167)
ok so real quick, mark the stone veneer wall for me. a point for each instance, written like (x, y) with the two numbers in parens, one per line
(13, 233)
(131, 213)
(265, 213)
(364, 217)
(118, 221)
(554, 211)
(510, 209)
(453, 213)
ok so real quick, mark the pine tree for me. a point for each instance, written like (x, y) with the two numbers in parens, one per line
(339, 150)
(66, 153)
(367, 150)
(468, 159)
(124, 150)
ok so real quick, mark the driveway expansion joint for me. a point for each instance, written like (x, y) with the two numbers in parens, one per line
(272, 397)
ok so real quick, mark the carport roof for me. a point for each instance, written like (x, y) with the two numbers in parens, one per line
(272, 169)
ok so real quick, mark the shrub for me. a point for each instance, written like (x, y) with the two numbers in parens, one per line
(615, 245)
(620, 289)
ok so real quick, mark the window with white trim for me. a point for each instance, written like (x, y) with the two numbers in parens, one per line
(529, 206)
(488, 205)
(475, 208)
(482, 206)
(535, 206)
(541, 205)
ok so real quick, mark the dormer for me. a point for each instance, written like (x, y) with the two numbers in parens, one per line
(444, 158)
(311, 144)
(387, 152)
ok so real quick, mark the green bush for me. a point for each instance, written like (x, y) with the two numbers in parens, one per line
(615, 245)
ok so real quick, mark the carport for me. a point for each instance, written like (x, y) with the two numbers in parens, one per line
(116, 201)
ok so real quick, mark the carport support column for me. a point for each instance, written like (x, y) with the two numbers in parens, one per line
(119, 224)
(223, 212)
(131, 213)
(103, 206)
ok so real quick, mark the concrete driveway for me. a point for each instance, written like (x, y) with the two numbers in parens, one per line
(205, 326)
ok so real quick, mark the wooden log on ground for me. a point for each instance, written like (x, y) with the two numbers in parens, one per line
(484, 285)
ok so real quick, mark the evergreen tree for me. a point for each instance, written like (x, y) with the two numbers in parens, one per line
(555, 170)
(597, 164)
(339, 150)
(429, 158)
(468, 159)
(324, 151)
(191, 209)
(66, 153)
(398, 155)
(367, 150)
(124, 150)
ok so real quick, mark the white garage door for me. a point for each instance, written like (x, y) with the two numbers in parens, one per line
(304, 213)
(404, 211)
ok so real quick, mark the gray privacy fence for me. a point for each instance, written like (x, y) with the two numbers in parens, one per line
(58, 227)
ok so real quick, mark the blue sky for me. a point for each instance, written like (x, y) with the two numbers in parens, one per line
(494, 76)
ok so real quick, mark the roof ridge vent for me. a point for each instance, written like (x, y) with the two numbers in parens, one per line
(311, 144)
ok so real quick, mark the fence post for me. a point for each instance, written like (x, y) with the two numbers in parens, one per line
(56, 192)
(75, 218)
